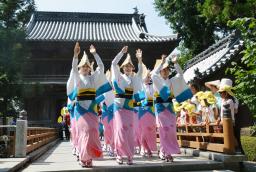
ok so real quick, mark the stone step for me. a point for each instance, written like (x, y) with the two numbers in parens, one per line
(214, 171)
(60, 159)
(111, 166)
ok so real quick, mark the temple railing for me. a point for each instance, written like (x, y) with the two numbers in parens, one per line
(13, 143)
(204, 137)
(37, 137)
(210, 137)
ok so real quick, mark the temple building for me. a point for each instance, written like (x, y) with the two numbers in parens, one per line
(51, 37)
(211, 64)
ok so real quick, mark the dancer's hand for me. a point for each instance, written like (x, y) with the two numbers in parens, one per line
(139, 55)
(124, 49)
(163, 58)
(92, 49)
(76, 50)
(174, 58)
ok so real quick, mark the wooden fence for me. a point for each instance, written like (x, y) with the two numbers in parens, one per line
(36, 137)
(212, 137)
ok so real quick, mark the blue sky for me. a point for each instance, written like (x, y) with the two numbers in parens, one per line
(155, 24)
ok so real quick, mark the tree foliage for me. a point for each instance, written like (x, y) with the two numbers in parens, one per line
(221, 11)
(245, 72)
(200, 23)
(14, 14)
(185, 19)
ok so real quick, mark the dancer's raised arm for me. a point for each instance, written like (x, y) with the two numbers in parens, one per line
(176, 65)
(75, 57)
(74, 74)
(114, 67)
(156, 71)
(119, 55)
(97, 58)
(139, 57)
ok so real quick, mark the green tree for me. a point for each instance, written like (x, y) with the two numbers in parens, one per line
(185, 54)
(186, 20)
(245, 71)
(200, 23)
(221, 11)
(14, 14)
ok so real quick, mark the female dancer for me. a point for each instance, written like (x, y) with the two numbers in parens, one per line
(165, 89)
(107, 119)
(147, 120)
(123, 121)
(88, 88)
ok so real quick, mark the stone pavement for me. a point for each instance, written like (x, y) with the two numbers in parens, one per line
(14, 164)
(10, 164)
(59, 158)
(56, 156)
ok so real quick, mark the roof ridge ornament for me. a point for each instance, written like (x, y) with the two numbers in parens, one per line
(136, 11)
(142, 20)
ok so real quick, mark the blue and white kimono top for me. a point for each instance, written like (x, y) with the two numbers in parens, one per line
(148, 91)
(128, 86)
(85, 89)
(108, 105)
(165, 89)
(147, 103)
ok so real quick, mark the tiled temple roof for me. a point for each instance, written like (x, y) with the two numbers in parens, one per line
(101, 27)
(213, 58)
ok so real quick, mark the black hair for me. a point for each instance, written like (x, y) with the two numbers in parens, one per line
(232, 98)
(206, 102)
(194, 85)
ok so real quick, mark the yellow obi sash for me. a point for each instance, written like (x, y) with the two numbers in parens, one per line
(149, 101)
(86, 94)
(158, 98)
(127, 95)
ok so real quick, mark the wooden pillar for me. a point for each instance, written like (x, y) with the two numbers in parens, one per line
(228, 132)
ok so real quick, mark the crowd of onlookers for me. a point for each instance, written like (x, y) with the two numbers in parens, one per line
(206, 107)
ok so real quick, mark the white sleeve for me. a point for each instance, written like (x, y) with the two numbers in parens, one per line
(236, 103)
(140, 70)
(155, 74)
(115, 71)
(178, 68)
(157, 80)
(100, 66)
(99, 63)
(117, 58)
(156, 71)
(73, 77)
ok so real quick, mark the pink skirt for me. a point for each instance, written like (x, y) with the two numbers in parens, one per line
(89, 142)
(166, 121)
(147, 127)
(108, 131)
(136, 130)
(73, 131)
(124, 132)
